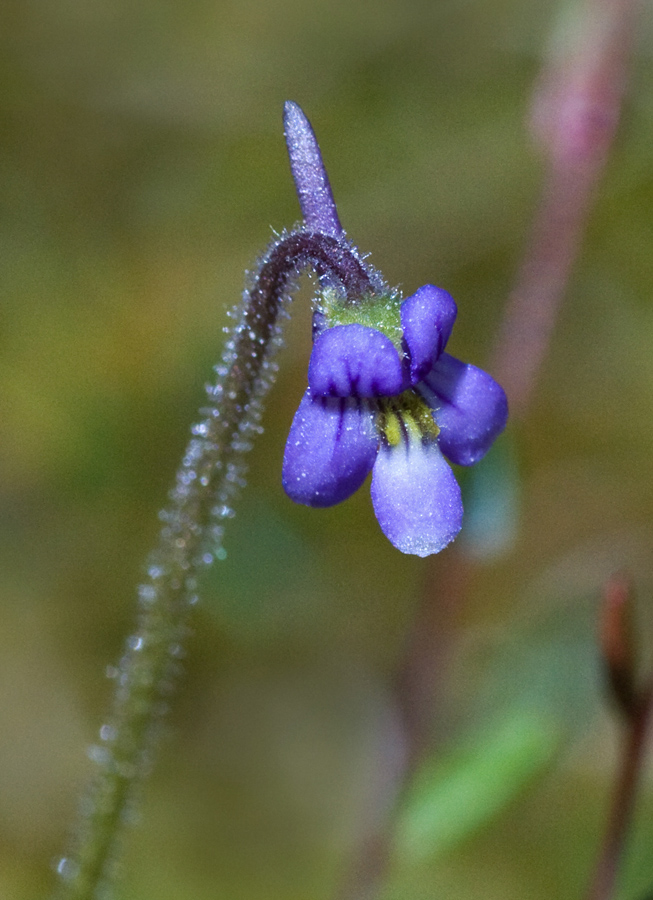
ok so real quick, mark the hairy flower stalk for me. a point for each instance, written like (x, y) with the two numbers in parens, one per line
(382, 395)
(211, 472)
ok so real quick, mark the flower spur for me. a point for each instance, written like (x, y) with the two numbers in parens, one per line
(382, 395)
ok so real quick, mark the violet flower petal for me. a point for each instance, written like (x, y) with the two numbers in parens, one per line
(416, 497)
(330, 450)
(427, 317)
(311, 180)
(471, 409)
(355, 361)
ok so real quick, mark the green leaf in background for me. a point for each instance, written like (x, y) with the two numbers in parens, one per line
(453, 797)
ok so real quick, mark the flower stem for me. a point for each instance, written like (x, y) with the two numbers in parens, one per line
(574, 117)
(577, 105)
(210, 474)
(634, 704)
(604, 879)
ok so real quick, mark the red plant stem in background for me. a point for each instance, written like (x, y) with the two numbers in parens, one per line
(575, 113)
(574, 118)
(617, 642)
(634, 704)
(605, 875)
(416, 695)
(419, 679)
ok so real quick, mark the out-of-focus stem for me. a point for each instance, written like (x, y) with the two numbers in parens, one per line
(618, 646)
(574, 118)
(416, 696)
(634, 704)
(576, 109)
(632, 757)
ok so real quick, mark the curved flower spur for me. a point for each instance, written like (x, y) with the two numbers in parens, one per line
(382, 394)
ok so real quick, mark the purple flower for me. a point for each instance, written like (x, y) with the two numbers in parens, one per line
(382, 395)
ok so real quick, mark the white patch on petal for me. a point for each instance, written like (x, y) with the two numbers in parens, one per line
(416, 497)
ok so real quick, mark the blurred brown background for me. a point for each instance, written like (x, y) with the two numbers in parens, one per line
(142, 167)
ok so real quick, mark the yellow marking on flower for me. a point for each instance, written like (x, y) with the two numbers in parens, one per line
(392, 428)
(406, 416)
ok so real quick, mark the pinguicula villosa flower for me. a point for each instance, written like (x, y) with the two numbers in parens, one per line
(382, 394)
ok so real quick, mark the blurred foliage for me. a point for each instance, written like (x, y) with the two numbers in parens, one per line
(452, 797)
(141, 170)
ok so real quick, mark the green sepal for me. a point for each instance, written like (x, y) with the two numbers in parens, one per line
(379, 312)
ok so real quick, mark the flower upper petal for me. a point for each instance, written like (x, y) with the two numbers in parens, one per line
(471, 409)
(355, 361)
(416, 497)
(330, 450)
(427, 318)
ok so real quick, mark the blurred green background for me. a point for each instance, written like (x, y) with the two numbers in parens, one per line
(142, 167)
